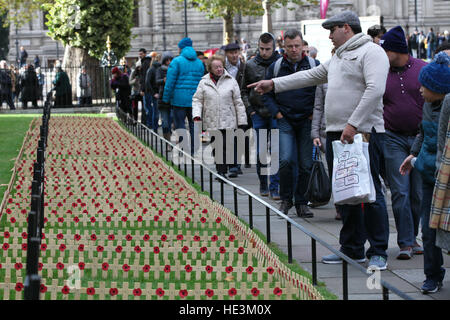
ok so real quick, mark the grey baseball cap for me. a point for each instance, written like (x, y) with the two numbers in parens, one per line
(345, 17)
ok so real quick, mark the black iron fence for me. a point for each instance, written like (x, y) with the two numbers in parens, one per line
(36, 215)
(28, 87)
(170, 152)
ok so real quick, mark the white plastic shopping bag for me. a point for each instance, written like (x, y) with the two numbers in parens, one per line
(351, 180)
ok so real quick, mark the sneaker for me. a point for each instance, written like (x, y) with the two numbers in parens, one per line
(303, 211)
(405, 253)
(263, 191)
(285, 206)
(430, 286)
(274, 195)
(335, 259)
(378, 263)
(417, 248)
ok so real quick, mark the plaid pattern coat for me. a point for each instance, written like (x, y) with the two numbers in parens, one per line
(440, 206)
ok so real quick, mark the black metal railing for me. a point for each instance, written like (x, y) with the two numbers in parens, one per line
(152, 139)
(27, 88)
(36, 214)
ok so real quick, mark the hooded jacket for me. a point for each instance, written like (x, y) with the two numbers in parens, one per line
(356, 77)
(183, 76)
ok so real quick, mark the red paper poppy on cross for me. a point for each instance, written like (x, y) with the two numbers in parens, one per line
(100, 248)
(93, 219)
(6, 234)
(146, 268)
(113, 291)
(111, 237)
(105, 266)
(93, 237)
(187, 219)
(209, 293)
(232, 292)
(249, 270)
(229, 269)
(40, 266)
(231, 238)
(65, 290)
(188, 268)
(124, 219)
(108, 218)
(42, 288)
(222, 250)
(137, 292)
(240, 250)
(277, 291)
(5, 246)
(214, 238)
(171, 219)
(202, 219)
(156, 218)
(140, 219)
(76, 219)
(270, 270)
(81, 265)
(62, 247)
(167, 268)
(255, 292)
(185, 249)
(90, 291)
(18, 266)
(129, 237)
(59, 236)
(156, 250)
(19, 286)
(183, 293)
(146, 237)
(77, 237)
(119, 249)
(163, 237)
(160, 292)
(218, 220)
(126, 267)
(180, 237)
(137, 249)
(60, 266)
(196, 238)
(209, 269)
(81, 247)
(203, 249)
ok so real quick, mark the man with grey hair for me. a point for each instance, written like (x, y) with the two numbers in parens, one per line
(356, 77)
(313, 52)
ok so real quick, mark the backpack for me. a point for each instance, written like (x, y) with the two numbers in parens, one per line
(277, 66)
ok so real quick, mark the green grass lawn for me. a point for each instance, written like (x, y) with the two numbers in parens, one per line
(12, 132)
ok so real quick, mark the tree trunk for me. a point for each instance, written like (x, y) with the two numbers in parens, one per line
(74, 58)
(228, 28)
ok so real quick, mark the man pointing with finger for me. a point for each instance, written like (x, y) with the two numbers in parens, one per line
(356, 77)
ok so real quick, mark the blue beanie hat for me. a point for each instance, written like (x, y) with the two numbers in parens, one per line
(394, 40)
(185, 42)
(436, 75)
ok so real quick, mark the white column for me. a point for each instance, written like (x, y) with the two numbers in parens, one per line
(362, 8)
(398, 9)
(144, 17)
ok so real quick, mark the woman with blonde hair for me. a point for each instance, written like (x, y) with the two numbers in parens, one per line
(218, 104)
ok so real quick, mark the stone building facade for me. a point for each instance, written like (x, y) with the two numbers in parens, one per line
(149, 32)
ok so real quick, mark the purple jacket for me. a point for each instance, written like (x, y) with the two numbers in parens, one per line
(402, 99)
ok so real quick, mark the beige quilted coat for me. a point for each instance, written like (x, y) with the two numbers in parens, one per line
(219, 105)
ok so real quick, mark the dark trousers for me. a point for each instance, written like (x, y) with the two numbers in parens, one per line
(8, 99)
(368, 222)
(223, 166)
(85, 101)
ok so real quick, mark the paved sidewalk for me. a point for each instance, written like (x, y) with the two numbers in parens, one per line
(407, 276)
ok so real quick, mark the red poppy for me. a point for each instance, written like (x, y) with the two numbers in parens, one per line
(100, 249)
(137, 292)
(111, 237)
(140, 219)
(249, 270)
(240, 250)
(137, 249)
(113, 291)
(93, 219)
(6, 234)
(185, 249)
(180, 237)
(203, 249)
(42, 288)
(156, 218)
(81, 247)
(19, 286)
(163, 237)
(81, 265)
(222, 250)
(255, 292)
(93, 237)
(188, 268)
(214, 238)
(231, 238)
(18, 266)
(183, 293)
(105, 266)
(119, 249)
(24, 235)
(60, 266)
(90, 291)
(8, 211)
(167, 268)
(108, 218)
(277, 291)
(124, 219)
(146, 237)
(129, 237)
(232, 292)
(77, 237)
(65, 290)
(59, 236)
(62, 247)
(126, 267)
(76, 219)
(205, 211)
(187, 219)
(209, 269)
(146, 268)
(229, 269)
(171, 219)
(40, 266)
(5, 246)
(43, 247)
(160, 292)
(156, 250)
(196, 238)
(218, 220)
(202, 219)
(160, 212)
(270, 270)
(209, 293)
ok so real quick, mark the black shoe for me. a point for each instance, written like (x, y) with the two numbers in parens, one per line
(303, 211)
(285, 206)
(221, 174)
(239, 171)
(233, 174)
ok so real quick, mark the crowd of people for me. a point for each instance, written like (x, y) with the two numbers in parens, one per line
(392, 88)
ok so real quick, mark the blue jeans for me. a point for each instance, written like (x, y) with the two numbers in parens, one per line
(166, 119)
(179, 117)
(432, 255)
(406, 191)
(147, 103)
(155, 114)
(370, 222)
(265, 123)
(295, 160)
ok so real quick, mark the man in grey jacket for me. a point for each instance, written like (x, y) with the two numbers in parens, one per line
(356, 77)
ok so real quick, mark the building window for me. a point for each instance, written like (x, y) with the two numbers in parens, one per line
(136, 13)
(44, 20)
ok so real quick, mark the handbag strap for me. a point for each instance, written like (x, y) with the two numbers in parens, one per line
(316, 155)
